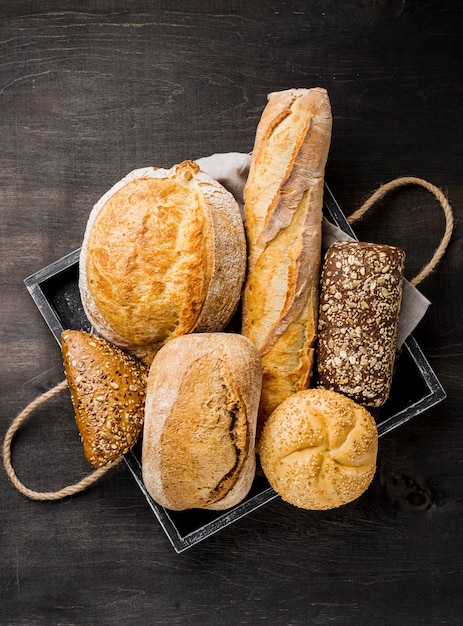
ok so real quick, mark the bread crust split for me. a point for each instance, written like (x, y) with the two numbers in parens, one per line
(200, 421)
(108, 389)
(318, 449)
(283, 208)
(164, 254)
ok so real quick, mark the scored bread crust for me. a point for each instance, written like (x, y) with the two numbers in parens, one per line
(318, 449)
(200, 421)
(164, 254)
(283, 208)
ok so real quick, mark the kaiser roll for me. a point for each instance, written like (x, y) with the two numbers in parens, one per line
(318, 449)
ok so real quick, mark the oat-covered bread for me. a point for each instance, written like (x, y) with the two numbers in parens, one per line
(200, 421)
(108, 394)
(318, 449)
(283, 207)
(361, 294)
(164, 254)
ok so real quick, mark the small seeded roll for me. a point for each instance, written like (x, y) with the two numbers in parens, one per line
(361, 293)
(108, 391)
(318, 449)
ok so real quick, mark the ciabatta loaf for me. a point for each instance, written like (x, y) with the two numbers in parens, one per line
(164, 254)
(283, 208)
(200, 421)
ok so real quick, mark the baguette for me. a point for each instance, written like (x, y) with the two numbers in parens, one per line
(283, 209)
(200, 421)
(107, 391)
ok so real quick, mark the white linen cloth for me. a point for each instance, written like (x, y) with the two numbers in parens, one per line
(231, 170)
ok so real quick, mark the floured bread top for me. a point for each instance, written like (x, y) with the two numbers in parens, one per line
(148, 267)
(200, 421)
(211, 442)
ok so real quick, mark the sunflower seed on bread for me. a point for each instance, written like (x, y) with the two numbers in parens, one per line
(108, 389)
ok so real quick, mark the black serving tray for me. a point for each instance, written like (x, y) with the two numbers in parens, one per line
(415, 389)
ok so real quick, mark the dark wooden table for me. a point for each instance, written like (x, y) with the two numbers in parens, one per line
(90, 91)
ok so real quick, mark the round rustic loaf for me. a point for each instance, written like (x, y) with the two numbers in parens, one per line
(318, 449)
(200, 421)
(164, 254)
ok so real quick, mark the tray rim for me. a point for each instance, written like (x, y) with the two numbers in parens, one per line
(436, 391)
(180, 543)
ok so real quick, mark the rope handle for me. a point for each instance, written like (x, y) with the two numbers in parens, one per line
(12, 430)
(88, 480)
(438, 194)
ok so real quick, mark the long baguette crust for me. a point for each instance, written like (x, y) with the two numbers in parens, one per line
(283, 209)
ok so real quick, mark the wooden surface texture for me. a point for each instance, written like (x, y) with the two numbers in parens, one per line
(90, 91)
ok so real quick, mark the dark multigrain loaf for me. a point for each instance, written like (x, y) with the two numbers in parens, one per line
(361, 291)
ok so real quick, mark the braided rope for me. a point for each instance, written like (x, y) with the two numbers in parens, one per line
(12, 430)
(87, 481)
(438, 194)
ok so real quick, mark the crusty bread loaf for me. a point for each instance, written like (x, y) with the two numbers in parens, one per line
(283, 208)
(200, 421)
(108, 393)
(318, 449)
(361, 292)
(164, 254)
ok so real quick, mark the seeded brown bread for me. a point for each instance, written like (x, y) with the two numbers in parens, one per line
(200, 421)
(108, 390)
(283, 208)
(318, 449)
(164, 254)
(361, 293)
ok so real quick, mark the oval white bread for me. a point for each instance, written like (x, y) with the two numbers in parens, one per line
(164, 254)
(283, 208)
(200, 421)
